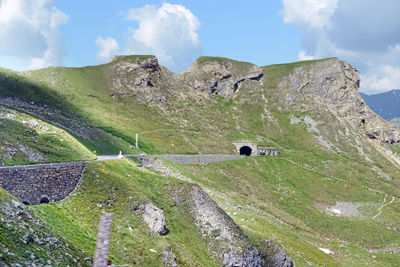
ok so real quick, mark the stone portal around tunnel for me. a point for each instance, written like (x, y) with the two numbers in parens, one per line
(245, 148)
(248, 148)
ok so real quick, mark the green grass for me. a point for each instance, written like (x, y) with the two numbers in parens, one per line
(240, 64)
(13, 233)
(395, 149)
(44, 139)
(37, 87)
(209, 125)
(280, 198)
(118, 187)
(289, 196)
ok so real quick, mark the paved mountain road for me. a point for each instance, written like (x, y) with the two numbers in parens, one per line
(99, 158)
(182, 159)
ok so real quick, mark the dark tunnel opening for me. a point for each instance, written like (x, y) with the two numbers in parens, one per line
(245, 150)
(44, 200)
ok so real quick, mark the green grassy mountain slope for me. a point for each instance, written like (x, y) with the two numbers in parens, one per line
(307, 206)
(26, 240)
(336, 184)
(26, 139)
(120, 188)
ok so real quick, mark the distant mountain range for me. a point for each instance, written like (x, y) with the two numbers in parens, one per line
(386, 105)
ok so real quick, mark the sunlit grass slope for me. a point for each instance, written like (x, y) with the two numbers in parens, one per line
(25, 239)
(286, 199)
(26, 139)
(120, 187)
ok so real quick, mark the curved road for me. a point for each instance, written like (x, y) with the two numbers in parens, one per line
(183, 159)
(99, 158)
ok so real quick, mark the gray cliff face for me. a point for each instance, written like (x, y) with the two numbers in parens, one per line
(333, 85)
(139, 77)
(150, 83)
(219, 77)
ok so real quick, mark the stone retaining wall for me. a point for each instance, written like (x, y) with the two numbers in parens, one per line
(43, 183)
(198, 159)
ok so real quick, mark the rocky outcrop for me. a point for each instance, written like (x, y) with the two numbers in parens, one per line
(333, 85)
(143, 78)
(154, 217)
(22, 232)
(219, 76)
(230, 243)
(233, 245)
(276, 256)
(169, 258)
(138, 76)
(9, 151)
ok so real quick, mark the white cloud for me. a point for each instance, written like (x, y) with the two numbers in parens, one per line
(106, 48)
(29, 32)
(314, 13)
(383, 79)
(303, 56)
(169, 32)
(363, 32)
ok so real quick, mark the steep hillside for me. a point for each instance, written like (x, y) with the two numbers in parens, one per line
(26, 139)
(26, 240)
(39, 99)
(335, 186)
(138, 198)
(386, 105)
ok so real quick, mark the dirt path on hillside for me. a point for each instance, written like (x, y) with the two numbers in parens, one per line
(312, 170)
(384, 204)
(380, 208)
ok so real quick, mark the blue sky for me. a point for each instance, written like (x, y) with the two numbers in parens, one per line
(40, 33)
(248, 32)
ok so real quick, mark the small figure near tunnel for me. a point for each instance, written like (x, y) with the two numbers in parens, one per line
(245, 150)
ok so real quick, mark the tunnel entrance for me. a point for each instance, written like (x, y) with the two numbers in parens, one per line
(44, 200)
(245, 150)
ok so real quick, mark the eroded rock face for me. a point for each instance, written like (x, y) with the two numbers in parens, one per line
(143, 78)
(276, 256)
(249, 258)
(333, 84)
(139, 77)
(169, 258)
(75, 125)
(230, 243)
(219, 77)
(154, 217)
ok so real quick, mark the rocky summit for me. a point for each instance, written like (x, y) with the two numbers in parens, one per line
(161, 152)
